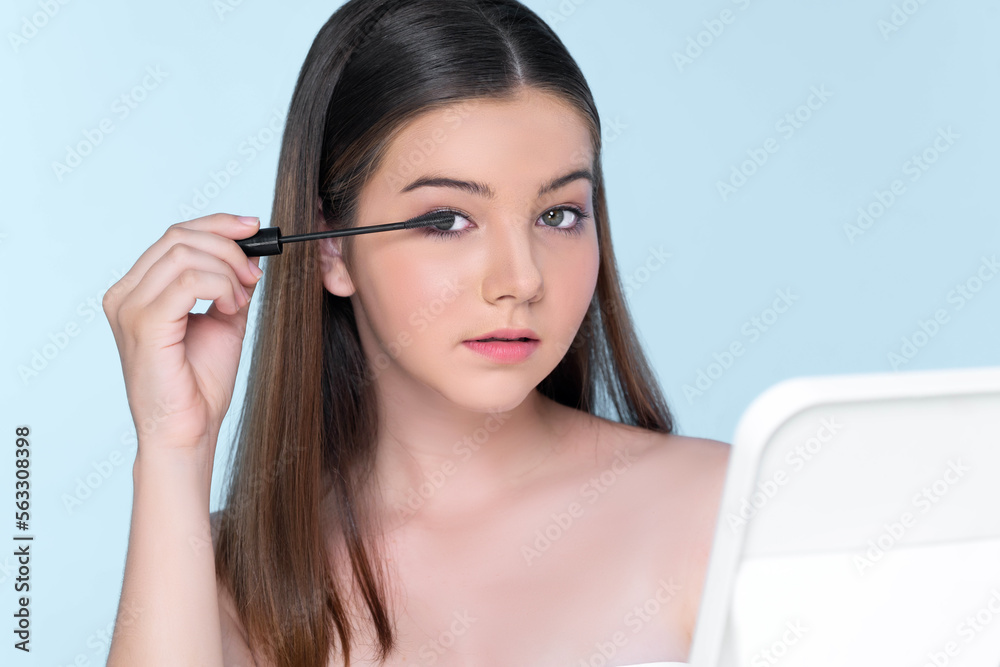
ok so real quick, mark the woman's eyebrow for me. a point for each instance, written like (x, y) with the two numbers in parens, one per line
(484, 190)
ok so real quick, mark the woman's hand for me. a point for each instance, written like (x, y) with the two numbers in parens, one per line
(180, 368)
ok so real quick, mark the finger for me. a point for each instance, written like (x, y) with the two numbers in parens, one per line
(178, 259)
(212, 242)
(236, 321)
(163, 314)
(214, 233)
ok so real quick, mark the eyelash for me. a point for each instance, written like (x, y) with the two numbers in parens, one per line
(576, 229)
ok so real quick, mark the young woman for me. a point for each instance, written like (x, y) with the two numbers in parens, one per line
(403, 491)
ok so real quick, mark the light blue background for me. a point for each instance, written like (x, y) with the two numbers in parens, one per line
(672, 133)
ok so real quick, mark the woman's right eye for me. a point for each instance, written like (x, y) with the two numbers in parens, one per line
(445, 229)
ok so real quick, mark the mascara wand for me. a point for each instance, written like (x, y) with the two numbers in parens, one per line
(268, 241)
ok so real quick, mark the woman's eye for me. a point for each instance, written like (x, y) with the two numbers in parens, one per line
(449, 226)
(558, 216)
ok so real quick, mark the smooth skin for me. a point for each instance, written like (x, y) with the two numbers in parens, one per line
(519, 531)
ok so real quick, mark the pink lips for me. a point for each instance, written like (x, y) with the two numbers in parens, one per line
(505, 351)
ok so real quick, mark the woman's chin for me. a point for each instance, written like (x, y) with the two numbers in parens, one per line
(489, 397)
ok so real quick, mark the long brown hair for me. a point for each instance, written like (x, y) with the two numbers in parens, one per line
(308, 430)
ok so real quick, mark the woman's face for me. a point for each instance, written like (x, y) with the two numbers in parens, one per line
(517, 256)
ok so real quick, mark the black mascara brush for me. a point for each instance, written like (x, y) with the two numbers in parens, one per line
(268, 241)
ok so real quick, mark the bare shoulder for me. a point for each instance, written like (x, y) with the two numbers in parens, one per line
(685, 472)
(680, 478)
(668, 456)
(679, 482)
(703, 459)
(235, 644)
(685, 476)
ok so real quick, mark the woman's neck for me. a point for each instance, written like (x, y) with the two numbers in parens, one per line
(437, 460)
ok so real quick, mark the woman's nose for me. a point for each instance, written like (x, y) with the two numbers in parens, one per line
(511, 269)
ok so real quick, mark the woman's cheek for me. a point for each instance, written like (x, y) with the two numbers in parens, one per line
(432, 297)
(578, 274)
(578, 282)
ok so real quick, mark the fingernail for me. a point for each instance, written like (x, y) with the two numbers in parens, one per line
(254, 269)
(248, 220)
(246, 294)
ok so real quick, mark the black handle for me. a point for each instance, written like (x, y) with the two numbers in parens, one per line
(267, 241)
